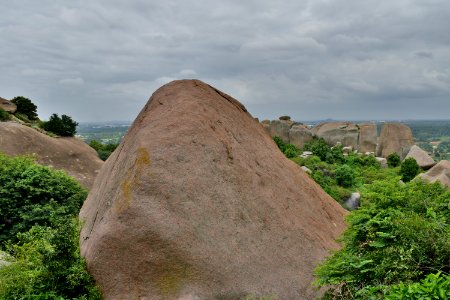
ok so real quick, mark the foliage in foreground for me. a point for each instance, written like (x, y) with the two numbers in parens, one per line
(400, 235)
(103, 150)
(31, 194)
(40, 232)
(47, 265)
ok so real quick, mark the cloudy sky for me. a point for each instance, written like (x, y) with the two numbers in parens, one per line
(100, 60)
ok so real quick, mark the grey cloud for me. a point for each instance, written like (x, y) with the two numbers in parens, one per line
(101, 60)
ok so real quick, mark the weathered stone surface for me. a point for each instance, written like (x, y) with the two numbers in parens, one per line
(423, 159)
(395, 137)
(69, 154)
(198, 202)
(299, 135)
(440, 172)
(7, 105)
(382, 161)
(280, 128)
(353, 202)
(346, 133)
(367, 137)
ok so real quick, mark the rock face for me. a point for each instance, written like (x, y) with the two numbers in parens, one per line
(424, 160)
(279, 128)
(198, 203)
(345, 133)
(440, 172)
(299, 135)
(395, 137)
(7, 105)
(367, 137)
(69, 154)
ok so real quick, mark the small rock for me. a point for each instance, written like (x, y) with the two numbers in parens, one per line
(306, 169)
(353, 202)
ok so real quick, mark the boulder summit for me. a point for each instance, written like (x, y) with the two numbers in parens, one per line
(198, 202)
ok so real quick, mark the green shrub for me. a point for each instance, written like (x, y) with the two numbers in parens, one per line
(409, 169)
(4, 115)
(103, 150)
(393, 160)
(399, 234)
(32, 194)
(291, 151)
(25, 107)
(63, 126)
(434, 286)
(46, 264)
(345, 176)
(318, 147)
(370, 161)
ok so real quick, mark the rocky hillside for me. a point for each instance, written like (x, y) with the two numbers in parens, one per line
(69, 154)
(199, 203)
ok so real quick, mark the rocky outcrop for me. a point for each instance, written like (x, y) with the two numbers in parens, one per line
(278, 128)
(395, 137)
(197, 202)
(368, 137)
(345, 133)
(440, 173)
(7, 105)
(69, 154)
(299, 135)
(423, 159)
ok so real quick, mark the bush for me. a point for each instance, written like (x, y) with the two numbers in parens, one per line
(103, 150)
(25, 107)
(434, 286)
(393, 160)
(409, 169)
(319, 147)
(4, 115)
(46, 264)
(63, 126)
(399, 234)
(289, 150)
(345, 176)
(31, 194)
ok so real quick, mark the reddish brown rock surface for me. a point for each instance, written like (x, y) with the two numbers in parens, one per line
(7, 105)
(197, 202)
(395, 137)
(69, 154)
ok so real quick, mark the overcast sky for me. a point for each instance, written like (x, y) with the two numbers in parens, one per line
(101, 60)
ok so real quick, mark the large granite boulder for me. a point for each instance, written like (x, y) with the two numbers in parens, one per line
(395, 137)
(424, 160)
(440, 173)
(299, 135)
(7, 105)
(367, 137)
(69, 154)
(279, 128)
(345, 133)
(197, 202)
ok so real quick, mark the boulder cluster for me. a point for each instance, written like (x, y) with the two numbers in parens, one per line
(363, 137)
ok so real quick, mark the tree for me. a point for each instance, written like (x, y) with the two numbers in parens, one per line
(409, 169)
(25, 107)
(393, 160)
(63, 126)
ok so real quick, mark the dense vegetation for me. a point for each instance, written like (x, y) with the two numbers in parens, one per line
(397, 245)
(103, 150)
(39, 233)
(4, 115)
(62, 126)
